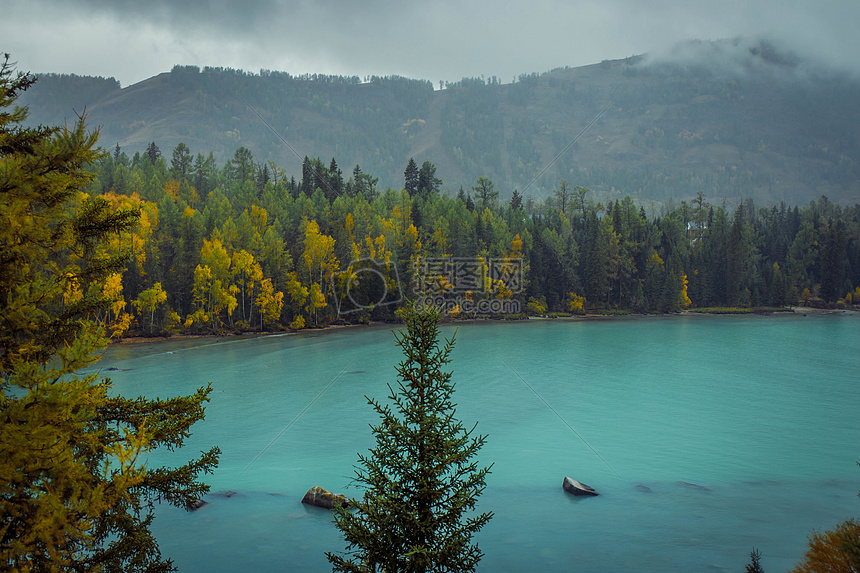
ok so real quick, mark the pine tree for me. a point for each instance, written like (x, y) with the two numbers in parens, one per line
(832, 261)
(410, 177)
(486, 192)
(335, 179)
(562, 196)
(307, 184)
(428, 183)
(421, 480)
(594, 260)
(754, 566)
(153, 152)
(74, 495)
(516, 201)
(736, 258)
(181, 164)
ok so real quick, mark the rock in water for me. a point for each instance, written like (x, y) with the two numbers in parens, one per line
(577, 488)
(321, 498)
(693, 486)
(195, 505)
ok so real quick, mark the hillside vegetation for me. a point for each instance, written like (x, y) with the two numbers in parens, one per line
(733, 119)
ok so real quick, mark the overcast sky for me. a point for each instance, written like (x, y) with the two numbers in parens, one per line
(132, 40)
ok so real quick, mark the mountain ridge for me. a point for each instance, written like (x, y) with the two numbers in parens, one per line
(734, 119)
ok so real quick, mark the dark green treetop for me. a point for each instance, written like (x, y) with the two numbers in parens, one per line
(754, 566)
(410, 177)
(421, 479)
(428, 183)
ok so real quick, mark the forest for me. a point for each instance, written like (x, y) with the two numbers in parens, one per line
(244, 246)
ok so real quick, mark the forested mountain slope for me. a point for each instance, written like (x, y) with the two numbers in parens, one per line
(733, 119)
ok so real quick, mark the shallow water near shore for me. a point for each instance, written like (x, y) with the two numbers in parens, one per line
(706, 436)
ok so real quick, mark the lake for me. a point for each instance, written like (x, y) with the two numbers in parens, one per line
(706, 436)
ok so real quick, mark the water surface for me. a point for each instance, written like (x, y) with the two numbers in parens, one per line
(706, 436)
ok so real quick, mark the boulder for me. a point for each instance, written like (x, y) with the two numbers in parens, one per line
(195, 505)
(576, 488)
(321, 498)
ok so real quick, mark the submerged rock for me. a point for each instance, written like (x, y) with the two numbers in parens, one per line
(195, 505)
(693, 486)
(576, 488)
(321, 498)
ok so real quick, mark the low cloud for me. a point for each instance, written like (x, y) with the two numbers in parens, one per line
(446, 40)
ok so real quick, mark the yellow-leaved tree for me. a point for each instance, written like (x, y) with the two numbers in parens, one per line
(833, 551)
(149, 301)
(74, 492)
(247, 273)
(575, 303)
(269, 303)
(319, 264)
(298, 294)
(116, 319)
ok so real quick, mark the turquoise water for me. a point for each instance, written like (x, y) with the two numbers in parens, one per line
(706, 436)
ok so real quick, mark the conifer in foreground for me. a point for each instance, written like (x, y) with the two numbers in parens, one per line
(75, 493)
(754, 566)
(421, 479)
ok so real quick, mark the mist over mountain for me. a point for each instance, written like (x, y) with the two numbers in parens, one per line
(736, 118)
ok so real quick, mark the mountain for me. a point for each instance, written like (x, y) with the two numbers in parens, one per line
(733, 119)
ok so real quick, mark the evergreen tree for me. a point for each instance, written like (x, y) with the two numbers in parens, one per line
(181, 164)
(421, 480)
(73, 493)
(335, 179)
(754, 566)
(428, 183)
(410, 177)
(593, 263)
(307, 184)
(205, 174)
(672, 297)
(153, 152)
(832, 262)
(486, 192)
(516, 201)
(241, 167)
(562, 196)
(365, 185)
(579, 194)
(321, 178)
(736, 259)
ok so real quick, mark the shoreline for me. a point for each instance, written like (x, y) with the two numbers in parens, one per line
(231, 335)
(794, 311)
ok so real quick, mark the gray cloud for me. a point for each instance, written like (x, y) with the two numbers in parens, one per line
(446, 40)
